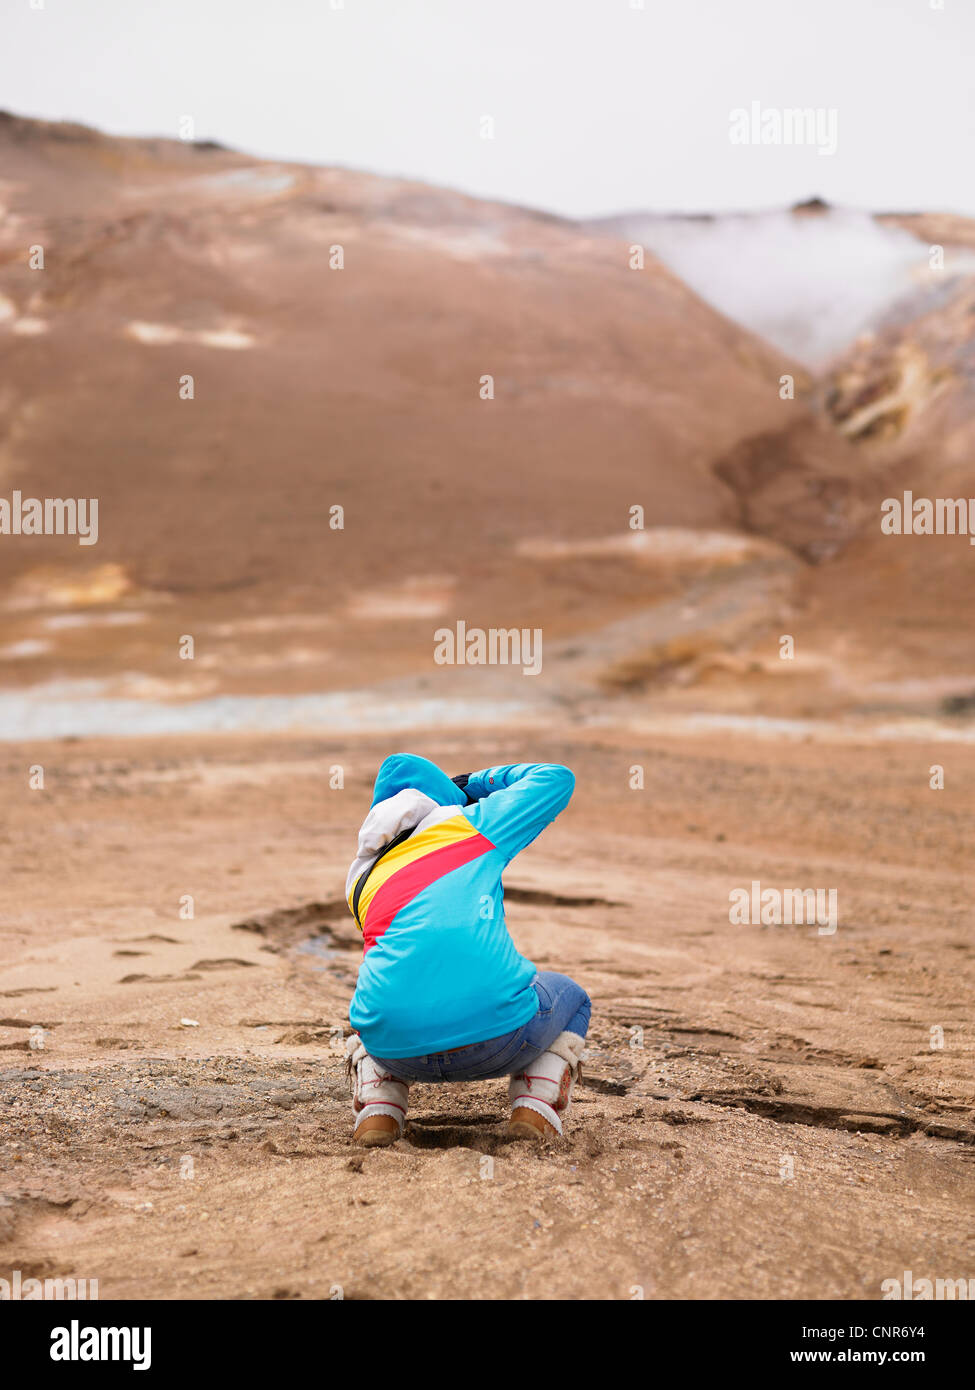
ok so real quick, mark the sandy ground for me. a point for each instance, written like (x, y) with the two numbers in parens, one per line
(762, 1115)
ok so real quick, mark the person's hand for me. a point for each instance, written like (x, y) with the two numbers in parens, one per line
(461, 781)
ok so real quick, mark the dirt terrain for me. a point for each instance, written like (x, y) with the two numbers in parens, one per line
(764, 1112)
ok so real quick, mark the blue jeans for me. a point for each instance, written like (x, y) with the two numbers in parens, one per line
(563, 1006)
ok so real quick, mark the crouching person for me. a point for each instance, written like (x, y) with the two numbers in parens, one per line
(442, 994)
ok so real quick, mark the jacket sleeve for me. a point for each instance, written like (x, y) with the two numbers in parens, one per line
(515, 802)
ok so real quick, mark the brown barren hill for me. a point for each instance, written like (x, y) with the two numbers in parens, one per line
(338, 328)
(905, 399)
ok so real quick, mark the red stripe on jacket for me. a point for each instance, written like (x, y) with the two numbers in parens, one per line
(403, 886)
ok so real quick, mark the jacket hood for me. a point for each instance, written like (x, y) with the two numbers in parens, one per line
(402, 770)
(385, 821)
(408, 791)
(390, 818)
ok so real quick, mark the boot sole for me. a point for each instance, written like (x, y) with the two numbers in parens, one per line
(376, 1139)
(520, 1129)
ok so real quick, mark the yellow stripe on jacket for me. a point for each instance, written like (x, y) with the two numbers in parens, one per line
(445, 832)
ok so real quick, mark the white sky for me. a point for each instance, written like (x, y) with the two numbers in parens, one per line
(598, 106)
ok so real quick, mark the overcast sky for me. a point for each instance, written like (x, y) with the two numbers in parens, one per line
(598, 105)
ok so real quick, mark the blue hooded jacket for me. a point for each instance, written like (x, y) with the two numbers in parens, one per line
(440, 970)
